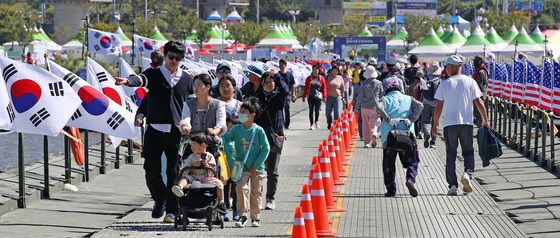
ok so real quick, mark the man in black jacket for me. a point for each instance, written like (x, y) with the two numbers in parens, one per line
(169, 87)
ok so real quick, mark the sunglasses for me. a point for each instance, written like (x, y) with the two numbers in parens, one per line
(176, 58)
(223, 71)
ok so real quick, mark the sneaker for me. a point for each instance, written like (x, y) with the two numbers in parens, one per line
(270, 204)
(367, 146)
(467, 187)
(317, 126)
(222, 208)
(157, 210)
(235, 217)
(390, 193)
(433, 146)
(420, 136)
(426, 141)
(178, 191)
(312, 127)
(169, 218)
(453, 191)
(242, 221)
(255, 223)
(411, 189)
(374, 143)
(226, 219)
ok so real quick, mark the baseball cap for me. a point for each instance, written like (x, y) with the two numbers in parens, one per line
(454, 60)
(255, 69)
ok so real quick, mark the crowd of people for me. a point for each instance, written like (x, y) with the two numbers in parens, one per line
(248, 121)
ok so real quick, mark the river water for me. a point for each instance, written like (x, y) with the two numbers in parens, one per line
(33, 148)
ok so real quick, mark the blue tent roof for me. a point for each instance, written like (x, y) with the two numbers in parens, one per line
(234, 17)
(214, 17)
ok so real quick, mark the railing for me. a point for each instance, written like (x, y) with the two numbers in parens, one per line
(505, 114)
(45, 193)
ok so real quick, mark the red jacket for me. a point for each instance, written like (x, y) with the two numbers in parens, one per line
(308, 85)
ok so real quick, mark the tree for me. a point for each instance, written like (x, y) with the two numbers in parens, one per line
(502, 22)
(546, 21)
(17, 20)
(417, 26)
(62, 34)
(202, 32)
(305, 31)
(250, 33)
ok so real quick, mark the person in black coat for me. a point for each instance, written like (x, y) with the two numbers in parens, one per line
(272, 97)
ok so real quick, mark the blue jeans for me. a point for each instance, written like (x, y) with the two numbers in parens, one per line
(454, 135)
(333, 104)
(409, 160)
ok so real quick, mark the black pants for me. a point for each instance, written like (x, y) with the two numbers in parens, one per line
(229, 192)
(314, 108)
(272, 162)
(156, 143)
(287, 112)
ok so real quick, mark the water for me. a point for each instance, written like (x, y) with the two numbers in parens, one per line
(33, 148)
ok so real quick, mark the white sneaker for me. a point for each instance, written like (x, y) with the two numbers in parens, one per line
(367, 146)
(467, 187)
(270, 205)
(178, 191)
(453, 191)
(317, 126)
(256, 223)
(312, 127)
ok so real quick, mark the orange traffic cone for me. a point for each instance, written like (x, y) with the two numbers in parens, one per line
(307, 208)
(346, 134)
(328, 183)
(313, 163)
(298, 230)
(339, 156)
(334, 172)
(333, 160)
(319, 205)
(341, 139)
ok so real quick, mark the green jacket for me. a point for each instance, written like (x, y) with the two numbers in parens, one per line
(241, 137)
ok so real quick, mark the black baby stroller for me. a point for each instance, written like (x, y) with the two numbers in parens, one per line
(200, 200)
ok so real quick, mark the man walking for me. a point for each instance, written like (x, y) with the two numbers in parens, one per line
(456, 97)
(169, 88)
(288, 78)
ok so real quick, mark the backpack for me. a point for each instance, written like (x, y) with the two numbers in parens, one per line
(432, 88)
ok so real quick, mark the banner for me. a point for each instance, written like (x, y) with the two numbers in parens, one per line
(104, 43)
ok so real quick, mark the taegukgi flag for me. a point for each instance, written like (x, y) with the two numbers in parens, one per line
(42, 103)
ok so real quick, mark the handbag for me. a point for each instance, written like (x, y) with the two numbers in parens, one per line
(224, 168)
(278, 140)
(237, 169)
(401, 140)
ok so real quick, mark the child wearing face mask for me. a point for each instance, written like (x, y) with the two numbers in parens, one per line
(252, 146)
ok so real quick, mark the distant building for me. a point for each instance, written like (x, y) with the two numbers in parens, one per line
(69, 13)
(328, 11)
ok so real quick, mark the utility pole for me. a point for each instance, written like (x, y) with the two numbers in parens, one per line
(454, 8)
(258, 12)
(395, 15)
(113, 19)
(42, 13)
(145, 10)
(197, 9)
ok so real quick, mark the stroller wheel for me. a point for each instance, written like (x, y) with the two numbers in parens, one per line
(209, 220)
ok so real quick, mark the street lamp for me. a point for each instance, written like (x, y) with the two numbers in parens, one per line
(223, 27)
(294, 14)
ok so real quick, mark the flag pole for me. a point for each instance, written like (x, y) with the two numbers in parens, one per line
(46, 177)
(133, 41)
(542, 73)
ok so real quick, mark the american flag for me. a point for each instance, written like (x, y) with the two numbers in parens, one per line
(532, 86)
(467, 69)
(546, 89)
(506, 84)
(556, 101)
(519, 70)
(500, 79)
(490, 66)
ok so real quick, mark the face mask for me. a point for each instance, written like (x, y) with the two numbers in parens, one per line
(243, 117)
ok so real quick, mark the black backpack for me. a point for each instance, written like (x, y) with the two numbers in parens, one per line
(432, 88)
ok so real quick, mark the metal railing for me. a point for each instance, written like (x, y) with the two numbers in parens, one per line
(532, 123)
(45, 193)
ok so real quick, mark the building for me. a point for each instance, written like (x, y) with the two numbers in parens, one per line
(327, 11)
(69, 13)
(205, 7)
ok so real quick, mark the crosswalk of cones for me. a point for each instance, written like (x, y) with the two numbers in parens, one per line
(329, 167)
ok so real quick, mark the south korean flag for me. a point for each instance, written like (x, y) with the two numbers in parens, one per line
(40, 102)
(104, 43)
(146, 46)
(7, 114)
(135, 94)
(96, 112)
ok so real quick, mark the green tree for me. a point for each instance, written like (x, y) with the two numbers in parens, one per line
(305, 31)
(250, 33)
(547, 21)
(417, 26)
(502, 22)
(202, 32)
